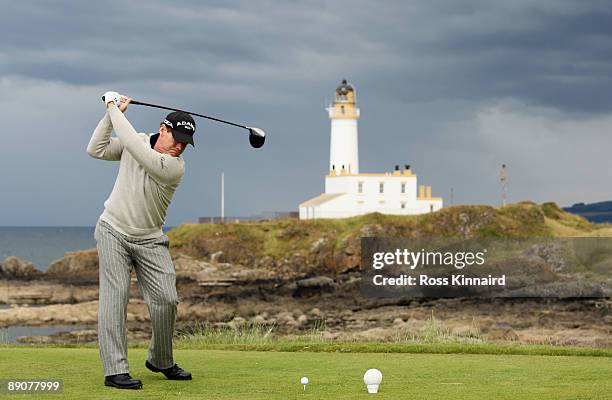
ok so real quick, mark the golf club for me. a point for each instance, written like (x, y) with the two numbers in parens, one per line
(257, 137)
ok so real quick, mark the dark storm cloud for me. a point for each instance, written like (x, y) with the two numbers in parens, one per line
(554, 53)
(551, 53)
(433, 81)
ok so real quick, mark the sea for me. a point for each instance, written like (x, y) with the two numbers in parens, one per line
(43, 245)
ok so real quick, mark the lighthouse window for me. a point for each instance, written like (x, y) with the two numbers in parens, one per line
(403, 204)
(381, 187)
(360, 187)
(403, 188)
(342, 109)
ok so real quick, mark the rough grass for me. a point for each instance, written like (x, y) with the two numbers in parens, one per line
(434, 338)
(203, 334)
(276, 375)
(200, 335)
(435, 332)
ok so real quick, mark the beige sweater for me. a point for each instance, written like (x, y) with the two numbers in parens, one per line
(146, 180)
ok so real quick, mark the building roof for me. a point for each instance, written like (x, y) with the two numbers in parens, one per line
(320, 199)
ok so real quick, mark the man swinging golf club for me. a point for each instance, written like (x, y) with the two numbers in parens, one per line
(129, 235)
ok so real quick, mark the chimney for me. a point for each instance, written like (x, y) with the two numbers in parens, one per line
(421, 191)
(428, 192)
(397, 170)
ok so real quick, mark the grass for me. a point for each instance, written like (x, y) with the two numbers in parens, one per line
(252, 361)
(301, 346)
(434, 338)
(435, 332)
(258, 336)
(404, 348)
(275, 375)
(203, 334)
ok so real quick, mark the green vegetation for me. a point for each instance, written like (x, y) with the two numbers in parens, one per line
(202, 335)
(275, 375)
(254, 362)
(293, 346)
(434, 338)
(250, 242)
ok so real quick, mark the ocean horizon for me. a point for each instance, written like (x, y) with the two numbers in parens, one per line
(42, 245)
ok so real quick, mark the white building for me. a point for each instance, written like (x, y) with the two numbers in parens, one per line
(349, 192)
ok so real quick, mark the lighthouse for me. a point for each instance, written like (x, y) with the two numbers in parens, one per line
(344, 148)
(349, 192)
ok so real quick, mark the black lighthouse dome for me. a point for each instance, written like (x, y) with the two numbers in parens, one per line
(344, 88)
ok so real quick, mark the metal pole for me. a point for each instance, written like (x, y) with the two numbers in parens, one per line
(222, 197)
(503, 178)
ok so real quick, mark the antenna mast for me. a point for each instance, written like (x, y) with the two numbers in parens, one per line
(503, 180)
(222, 197)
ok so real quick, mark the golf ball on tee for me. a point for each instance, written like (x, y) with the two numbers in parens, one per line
(372, 378)
(304, 381)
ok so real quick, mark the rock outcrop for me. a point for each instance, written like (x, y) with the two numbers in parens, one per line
(15, 268)
(44, 292)
(75, 267)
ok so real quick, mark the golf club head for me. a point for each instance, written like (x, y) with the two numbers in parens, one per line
(257, 137)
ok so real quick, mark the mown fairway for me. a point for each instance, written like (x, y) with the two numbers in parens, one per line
(275, 375)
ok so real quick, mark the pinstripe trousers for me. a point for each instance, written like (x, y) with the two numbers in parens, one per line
(150, 258)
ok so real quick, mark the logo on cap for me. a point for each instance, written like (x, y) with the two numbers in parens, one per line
(186, 124)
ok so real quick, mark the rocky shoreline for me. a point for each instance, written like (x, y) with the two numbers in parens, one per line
(291, 300)
(300, 276)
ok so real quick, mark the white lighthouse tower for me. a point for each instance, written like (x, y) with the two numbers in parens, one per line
(349, 192)
(343, 112)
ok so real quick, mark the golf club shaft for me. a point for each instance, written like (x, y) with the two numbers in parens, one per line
(141, 103)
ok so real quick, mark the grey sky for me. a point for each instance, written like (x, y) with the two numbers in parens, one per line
(453, 88)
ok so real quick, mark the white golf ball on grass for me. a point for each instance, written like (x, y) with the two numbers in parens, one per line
(304, 381)
(372, 378)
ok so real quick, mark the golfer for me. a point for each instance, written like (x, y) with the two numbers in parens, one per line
(129, 236)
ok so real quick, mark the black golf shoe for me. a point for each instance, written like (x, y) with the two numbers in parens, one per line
(174, 373)
(122, 381)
